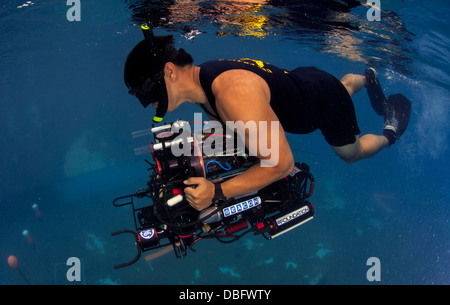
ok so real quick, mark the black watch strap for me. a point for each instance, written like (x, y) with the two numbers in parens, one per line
(218, 194)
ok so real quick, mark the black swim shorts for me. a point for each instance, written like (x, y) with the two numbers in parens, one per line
(330, 106)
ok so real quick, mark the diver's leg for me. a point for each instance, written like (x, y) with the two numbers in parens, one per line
(353, 82)
(375, 92)
(364, 147)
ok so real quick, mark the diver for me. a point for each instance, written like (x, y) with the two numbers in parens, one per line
(302, 101)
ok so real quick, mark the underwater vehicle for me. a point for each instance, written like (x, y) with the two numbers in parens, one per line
(163, 217)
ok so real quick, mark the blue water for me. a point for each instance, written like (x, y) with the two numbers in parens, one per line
(65, 134)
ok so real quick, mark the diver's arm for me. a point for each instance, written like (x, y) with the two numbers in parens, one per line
(244, 96)
(251, 102)
(254, 179)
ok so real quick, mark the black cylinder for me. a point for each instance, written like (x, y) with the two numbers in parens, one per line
(147, 238)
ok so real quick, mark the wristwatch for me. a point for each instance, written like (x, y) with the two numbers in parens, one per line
(218, 194)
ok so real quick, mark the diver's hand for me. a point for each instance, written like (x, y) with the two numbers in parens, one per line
(201, 196)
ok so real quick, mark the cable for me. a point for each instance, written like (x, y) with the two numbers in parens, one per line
(218, 236)
(215, 161)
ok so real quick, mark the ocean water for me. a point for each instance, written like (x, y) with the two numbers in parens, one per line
(65, 136)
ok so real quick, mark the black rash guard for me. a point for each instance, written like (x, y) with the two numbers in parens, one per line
(304, 99)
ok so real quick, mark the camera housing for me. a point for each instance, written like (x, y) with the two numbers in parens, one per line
(163, 217)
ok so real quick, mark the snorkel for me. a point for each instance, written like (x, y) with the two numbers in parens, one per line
(144, 70)
(163, 101)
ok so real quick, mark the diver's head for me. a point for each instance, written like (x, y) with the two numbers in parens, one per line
(144, 71)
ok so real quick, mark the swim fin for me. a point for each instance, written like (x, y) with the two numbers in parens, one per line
(376, 95)
(396, 118)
